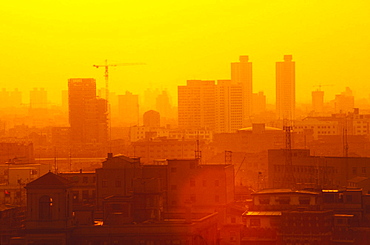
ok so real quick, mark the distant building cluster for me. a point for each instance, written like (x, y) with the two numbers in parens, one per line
(223, 167)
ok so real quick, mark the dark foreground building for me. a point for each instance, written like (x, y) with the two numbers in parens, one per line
(51, 219)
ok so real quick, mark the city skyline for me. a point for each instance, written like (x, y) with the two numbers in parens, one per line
(51, 43)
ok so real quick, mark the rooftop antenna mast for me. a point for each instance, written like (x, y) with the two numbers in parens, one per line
(288, 179)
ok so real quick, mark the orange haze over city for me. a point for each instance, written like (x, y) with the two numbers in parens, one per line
(43, 43)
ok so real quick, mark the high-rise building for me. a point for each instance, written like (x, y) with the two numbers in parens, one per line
(87, 114)
(15, 98)
(38, 98)
(241, 73)
(128, 109)
(318, 101)
(196, 103)
(285, 88)
(345, 101)
(163, 105)
(229, 106)
(258, 103)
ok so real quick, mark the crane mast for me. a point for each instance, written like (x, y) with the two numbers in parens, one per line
(106, 74)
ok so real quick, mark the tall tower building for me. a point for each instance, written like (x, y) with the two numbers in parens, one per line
(38, 98)
(258, 103)
(163, 105)
(196, 103)
(229, 106)
(241, 73)
(87, 114)
(285, 88)
(345, 101)
(128, 109)
(318, 101)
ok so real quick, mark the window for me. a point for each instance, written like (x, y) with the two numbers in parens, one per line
(192, 198)
(304, 200)
(104, 183)
(192, 182)
(283, 200)
(264, 200)
(118, 183)
(217, 198)
(84, 180)
(204, 183)
(349, 198)
(255, 222)
(75, 196)
(217, 183)
(45, 207)
(85, 194)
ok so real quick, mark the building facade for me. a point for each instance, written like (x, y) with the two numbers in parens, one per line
(285, 88)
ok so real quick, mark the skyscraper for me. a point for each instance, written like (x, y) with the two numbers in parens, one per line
(241, 73)
(196, 103)
(345, 101)
(318, 101)
(87, 114)
(229, 106)
(128, 109)
(285, 88)
(38, 98)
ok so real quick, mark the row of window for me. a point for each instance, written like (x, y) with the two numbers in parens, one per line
(193, 199)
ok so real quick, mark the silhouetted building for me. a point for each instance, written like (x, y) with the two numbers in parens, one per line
(163, 105)
(315, 171)
(49, 210)
(344, 102)
(20, 152)
(258, 103)
(141, 133)
(318, 101)
(196, 103)
(38, 98)
(83, 186)
(230, 101)
(285, 88)
(283, 216)
(162, 148)
(152, 119)
(116, 177)
(87, 114)
(10, 98)
(132, 218)
(128, 108)
(241, 73)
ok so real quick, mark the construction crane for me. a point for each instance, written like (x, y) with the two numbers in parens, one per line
(106, 75)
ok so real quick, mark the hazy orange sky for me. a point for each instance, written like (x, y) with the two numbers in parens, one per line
(43, 43)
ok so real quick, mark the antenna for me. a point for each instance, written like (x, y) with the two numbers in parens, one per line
(288, 179)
